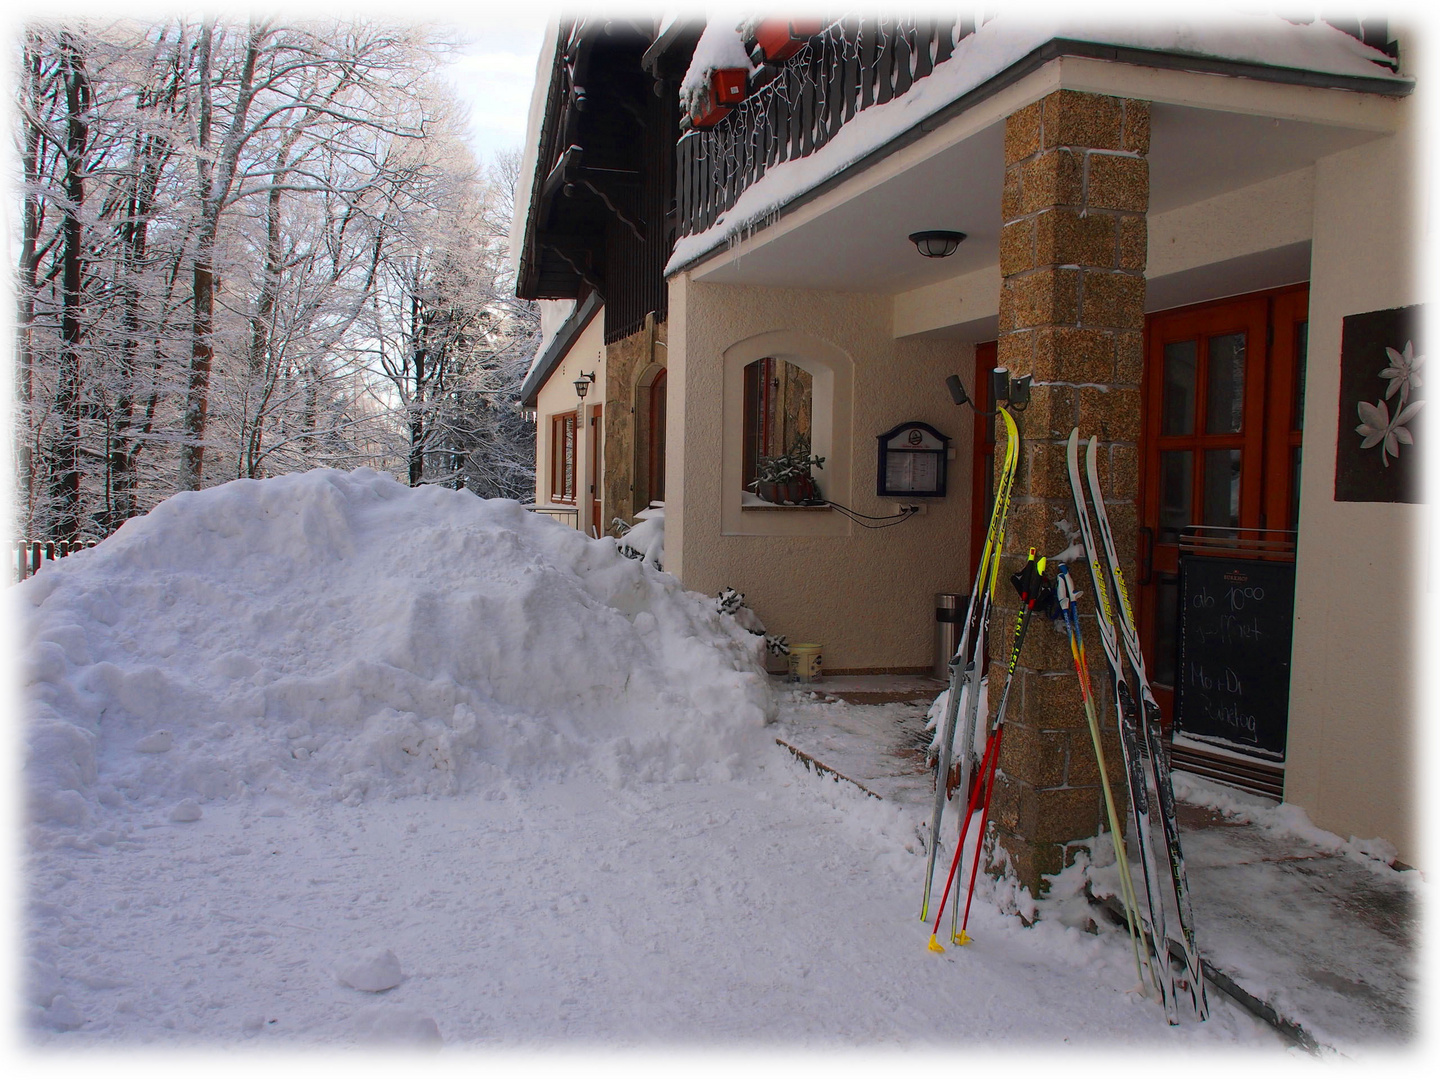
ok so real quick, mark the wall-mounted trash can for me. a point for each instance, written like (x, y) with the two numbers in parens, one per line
(950, 611)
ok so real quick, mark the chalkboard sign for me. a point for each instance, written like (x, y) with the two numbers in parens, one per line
(1236, 624)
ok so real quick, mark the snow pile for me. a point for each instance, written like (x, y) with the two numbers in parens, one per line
(403, 1027)
(372, 970)
(979, 734)
(646, 541)
(340, 633)
(1285, 820)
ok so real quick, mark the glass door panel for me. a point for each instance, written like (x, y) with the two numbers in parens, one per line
(1225, 383)
(1176, 471)
(1165, 652)
(1220, 504)
(1177, 415)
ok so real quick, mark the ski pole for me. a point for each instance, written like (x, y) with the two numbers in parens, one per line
(935, 946)
(1034, 591)
(963, 938)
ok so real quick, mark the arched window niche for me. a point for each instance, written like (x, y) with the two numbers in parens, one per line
(650, 409)
(829, 372)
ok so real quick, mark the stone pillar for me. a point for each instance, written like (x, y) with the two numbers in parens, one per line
(1072, 260)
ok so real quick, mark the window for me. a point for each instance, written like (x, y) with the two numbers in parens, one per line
(824, 375)
(779, 398)
(562, 457)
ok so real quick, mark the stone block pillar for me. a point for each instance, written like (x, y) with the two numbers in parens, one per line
(1072, 259)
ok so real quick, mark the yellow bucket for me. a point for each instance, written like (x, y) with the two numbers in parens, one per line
(805, 662)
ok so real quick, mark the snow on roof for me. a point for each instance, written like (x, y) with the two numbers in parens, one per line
(553, 314)
(561, 323)
(1261, 39)
(525, 180)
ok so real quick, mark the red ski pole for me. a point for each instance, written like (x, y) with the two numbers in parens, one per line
(964, 938)
(987, 763)
(1035, 591)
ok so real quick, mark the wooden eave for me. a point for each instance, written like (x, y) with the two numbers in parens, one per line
(586, 172)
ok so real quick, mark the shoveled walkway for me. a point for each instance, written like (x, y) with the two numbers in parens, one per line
(1327, 939)
(1311, 934)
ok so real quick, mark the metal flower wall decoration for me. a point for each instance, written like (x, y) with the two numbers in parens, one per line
(1377, 427)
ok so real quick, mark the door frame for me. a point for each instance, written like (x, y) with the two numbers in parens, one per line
(597, 443)
(1268, 440)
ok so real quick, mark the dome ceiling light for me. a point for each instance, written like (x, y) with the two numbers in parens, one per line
(936, 243)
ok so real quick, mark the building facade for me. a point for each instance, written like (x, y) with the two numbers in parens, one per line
(1199, 247)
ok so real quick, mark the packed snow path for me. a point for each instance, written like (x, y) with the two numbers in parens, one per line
(773, 910)
(324, 759)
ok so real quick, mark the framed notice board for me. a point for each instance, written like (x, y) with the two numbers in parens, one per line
(911, 462)
(1236, 625)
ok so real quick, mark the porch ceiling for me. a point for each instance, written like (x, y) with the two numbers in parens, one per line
(861, 245)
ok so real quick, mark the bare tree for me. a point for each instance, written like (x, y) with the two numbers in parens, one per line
(247, 250)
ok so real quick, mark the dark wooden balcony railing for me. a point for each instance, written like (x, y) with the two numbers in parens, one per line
(848, 67)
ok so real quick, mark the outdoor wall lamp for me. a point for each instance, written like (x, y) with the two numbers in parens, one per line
(582, 384)
(936, 243)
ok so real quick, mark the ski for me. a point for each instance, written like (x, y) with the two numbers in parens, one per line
(965, 665)
(1035, 592)
(1033, 589)
(976, 666)
(1125, 714)
(1068, 599)
(991, 748)
(1155, 740)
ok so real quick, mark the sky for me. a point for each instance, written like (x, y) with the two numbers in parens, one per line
(494, 73)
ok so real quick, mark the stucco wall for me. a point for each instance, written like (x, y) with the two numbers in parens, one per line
(1353, 696)
(867, 595)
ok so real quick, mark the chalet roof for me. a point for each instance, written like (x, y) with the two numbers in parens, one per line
(584, 146)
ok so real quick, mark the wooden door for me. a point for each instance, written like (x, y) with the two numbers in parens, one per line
(1220, 444)
(597, 443)
(657, 437)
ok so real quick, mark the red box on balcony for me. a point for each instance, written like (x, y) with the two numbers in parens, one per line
(710, 118)
(728, 86)
(781, 39)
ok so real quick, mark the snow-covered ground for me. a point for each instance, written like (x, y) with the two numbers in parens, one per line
(285, 737)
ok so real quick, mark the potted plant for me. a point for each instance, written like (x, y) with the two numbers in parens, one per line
(804, 489)
(786, 479)
(786, 483)
(765, 484)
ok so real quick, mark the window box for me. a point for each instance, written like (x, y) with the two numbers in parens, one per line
(780, 39)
